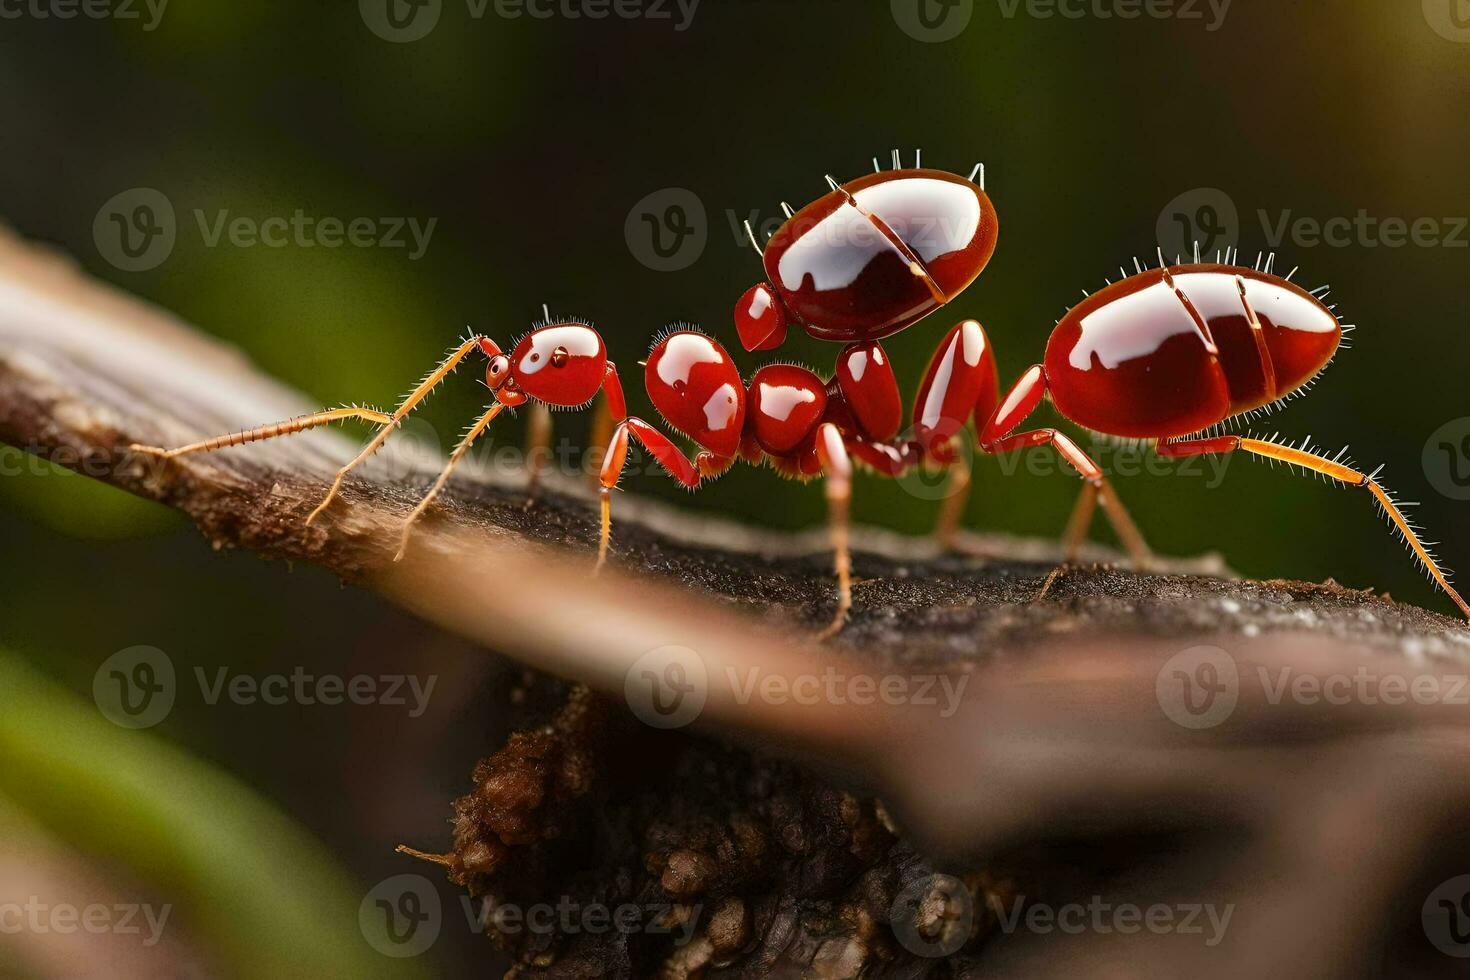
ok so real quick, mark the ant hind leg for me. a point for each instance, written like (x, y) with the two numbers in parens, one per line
(999, 436)
(1338, 471)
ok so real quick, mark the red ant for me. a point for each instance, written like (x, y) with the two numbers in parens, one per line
(559, 363)
(1168, 355)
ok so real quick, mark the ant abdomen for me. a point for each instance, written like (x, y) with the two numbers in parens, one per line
(1173, 351)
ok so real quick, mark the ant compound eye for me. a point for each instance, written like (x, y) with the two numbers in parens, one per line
(559, 357)
(499, 367)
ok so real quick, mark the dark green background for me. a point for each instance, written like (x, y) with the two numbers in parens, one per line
(530, 140)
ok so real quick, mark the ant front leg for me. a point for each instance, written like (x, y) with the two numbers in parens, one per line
(669, 456)
(474, 433)
(414, 397)
(999, 436)
(289, 427)
(1334, 470)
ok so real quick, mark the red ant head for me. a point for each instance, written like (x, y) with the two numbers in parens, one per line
(497, 374)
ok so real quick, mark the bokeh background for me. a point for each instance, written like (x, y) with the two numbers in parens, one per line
(536, 145)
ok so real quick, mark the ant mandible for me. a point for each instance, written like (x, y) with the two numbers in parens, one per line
(559, 363)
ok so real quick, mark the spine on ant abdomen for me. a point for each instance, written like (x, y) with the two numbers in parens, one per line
(1169, 352)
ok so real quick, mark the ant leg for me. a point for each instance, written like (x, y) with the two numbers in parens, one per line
(952, 508)
(999, 437)
(289, 427)
(662, 449)
(464, 444)
(959, 383)
(1079, 522)
(414, 397)
(538, 446)
(602, 429)
(1332, 469)
(837, 468)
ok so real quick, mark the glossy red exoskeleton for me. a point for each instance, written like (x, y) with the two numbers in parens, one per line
(801, 424)
(866, 260)
(869, 258)
(1170, 356)
(1174, 355)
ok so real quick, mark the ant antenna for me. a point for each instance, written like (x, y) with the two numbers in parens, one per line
(750, 233)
